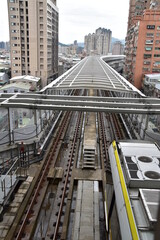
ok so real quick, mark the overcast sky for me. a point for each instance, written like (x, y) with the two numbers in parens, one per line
(78, 18)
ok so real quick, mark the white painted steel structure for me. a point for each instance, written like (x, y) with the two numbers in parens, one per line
(81, 103)
(91, 72)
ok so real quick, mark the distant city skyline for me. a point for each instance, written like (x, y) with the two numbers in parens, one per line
(82, 18)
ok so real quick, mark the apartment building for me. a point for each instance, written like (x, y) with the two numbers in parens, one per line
(33, 26)
(117, 48)
(98, 42)
(142, 42)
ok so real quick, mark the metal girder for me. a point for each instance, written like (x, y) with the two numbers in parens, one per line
(90, 73)
(20, 96)
(5, 96)
(114, 105)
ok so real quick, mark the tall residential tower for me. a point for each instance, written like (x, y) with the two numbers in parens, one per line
(98, 42)
(33, 26)
(142, 48)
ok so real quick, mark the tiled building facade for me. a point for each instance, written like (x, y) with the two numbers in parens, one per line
(98, 42)
(33, 26)
(142, 42)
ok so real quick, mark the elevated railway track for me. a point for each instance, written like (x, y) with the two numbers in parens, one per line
(73, 192)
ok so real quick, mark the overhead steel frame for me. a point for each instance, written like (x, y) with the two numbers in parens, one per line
(89, 73)
(82, 103)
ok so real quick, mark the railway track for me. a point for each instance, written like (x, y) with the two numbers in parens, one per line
(29, 218)
(31, 215)
(71, 159)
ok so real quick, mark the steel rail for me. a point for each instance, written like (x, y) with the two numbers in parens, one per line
(42, 176)
(67, 176)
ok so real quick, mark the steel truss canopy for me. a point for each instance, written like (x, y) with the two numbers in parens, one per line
(81, 103)
(93, 72)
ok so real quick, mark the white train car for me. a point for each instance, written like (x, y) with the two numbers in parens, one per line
(135, 167)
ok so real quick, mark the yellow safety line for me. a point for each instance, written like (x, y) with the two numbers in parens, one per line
(125, 195)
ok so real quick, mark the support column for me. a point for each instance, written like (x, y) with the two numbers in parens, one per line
(35, 122)
(40, 118)
(146, 126)
(10, 125)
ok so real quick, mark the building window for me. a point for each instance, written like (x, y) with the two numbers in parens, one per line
(150, 26)
(157, 63)
(155, 70)
(146, 63)
(12, 1)
(12, 9)
(148, 48)
(146, 69)
(150, 35)
(149, 41)
(157, 42)
(13, 16)
(158, 28)
(157, 48)
(156, 55)
(13, 24)
(157, 34)
(147, 56)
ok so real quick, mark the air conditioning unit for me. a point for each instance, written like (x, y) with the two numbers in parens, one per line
(141, 164)
(142, 171)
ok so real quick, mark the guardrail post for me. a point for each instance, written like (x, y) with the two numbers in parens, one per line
(35, 122)
(10, 126)
(146, 126)
(4, 183)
